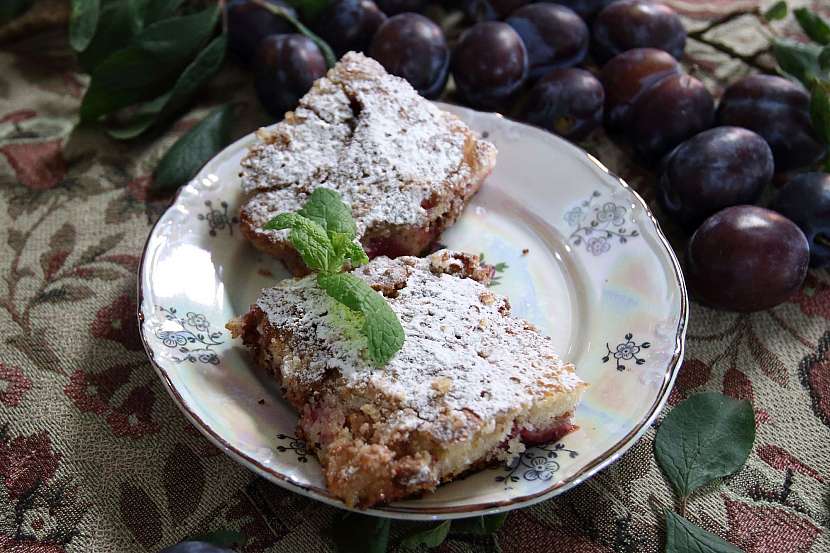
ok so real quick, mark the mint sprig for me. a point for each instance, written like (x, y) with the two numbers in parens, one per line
(323, 233)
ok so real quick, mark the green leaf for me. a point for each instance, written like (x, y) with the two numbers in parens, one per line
(815, 26)
(481, 526)
(824, 59)
(776, 11)
(9, 9)
(326, 50)
(193, 150)
(156, 10)
(151, 63)
(427, 537)
(118, 23)
(347, 248)
(309, 239)
(355, 533)
(310, 10)
(325, 207)
(83, 20)
(798, 60)
(820, 110)
(381, 325)
(706, 437)
(684, 537)
(163, 108)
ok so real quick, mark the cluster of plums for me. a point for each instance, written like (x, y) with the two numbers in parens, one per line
(713, 161)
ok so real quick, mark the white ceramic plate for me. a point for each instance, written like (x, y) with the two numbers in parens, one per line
(598, 276)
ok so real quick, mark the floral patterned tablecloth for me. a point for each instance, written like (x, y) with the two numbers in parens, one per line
(94, 456)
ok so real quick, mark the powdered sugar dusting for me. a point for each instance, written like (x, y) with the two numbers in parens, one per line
(463, 352)
(371, 137)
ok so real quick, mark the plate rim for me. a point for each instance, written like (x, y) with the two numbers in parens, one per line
(609, 456)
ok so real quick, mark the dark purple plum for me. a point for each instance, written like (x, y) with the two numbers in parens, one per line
(249, 23)
(567, 102)
(284, 70)
(586, 9)
(490, 10)
(676, 108)
(394, 7)
(195, 547)
(806, 201)
(489, 64)
(718, 168)
(779, 110)
(626, 76)
(628, 24)
(349, 25)
(746, 258)
(411, 46)
(554, 36)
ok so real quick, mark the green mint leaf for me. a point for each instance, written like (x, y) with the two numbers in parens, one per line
(706, 437)
(193, 150)
(10, 9)
(482, 526)
(309, 239)
(325, 207)
(355, 533)
(118, 23)
(427, 537)
(351, 250)
(310, 9)
(798, 60)
(149, 65)
(776, 12)
(156, 10)
(820, 110)
(83, 20)
(684, 537)
(815, 26)
(381, 325)
(156, 112)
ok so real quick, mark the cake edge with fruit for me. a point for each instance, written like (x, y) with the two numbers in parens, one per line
(388, 433)
(405, 167)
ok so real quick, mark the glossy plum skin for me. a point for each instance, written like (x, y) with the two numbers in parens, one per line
(586, 9)
(554, 36)
(490, 10)
(806, 201)
(746, 258)
(394, 7)
(777, 109)
(676, 108)
(285, 68)
(627, 76)
(628, 24)
(489, 64)
(411, 46)
(718, 168)
(194, 547)
(249, 23)
(349, 25)
(567, 102)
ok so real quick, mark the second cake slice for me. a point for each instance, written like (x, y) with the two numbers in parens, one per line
(405, 167)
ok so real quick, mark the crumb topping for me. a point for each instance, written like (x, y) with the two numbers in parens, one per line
(464, 361)
(371, 137)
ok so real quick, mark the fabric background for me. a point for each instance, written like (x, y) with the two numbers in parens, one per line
(94, 456)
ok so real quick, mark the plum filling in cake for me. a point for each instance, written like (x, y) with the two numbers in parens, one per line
(471, 385)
